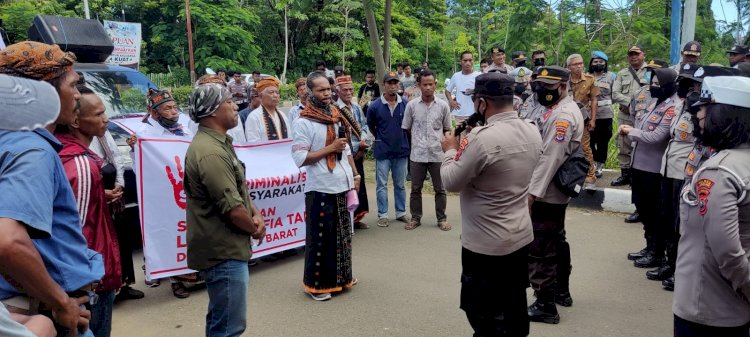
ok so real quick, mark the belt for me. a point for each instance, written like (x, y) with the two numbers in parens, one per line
(25, 305)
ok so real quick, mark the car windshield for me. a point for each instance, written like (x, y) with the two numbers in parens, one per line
(123, 92)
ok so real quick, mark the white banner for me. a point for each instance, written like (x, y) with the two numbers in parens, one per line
(126, 36)
(276, 187)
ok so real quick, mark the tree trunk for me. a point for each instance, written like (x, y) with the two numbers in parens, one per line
(372, 30)
(387, 33)
(343, 40)
(286, 43)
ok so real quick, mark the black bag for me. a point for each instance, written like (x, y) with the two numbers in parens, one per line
(571, 174)
(109, 176)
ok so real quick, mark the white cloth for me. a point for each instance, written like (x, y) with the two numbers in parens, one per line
(237, 133)
(255, 126)
(117, 159)
(310, 136)
(459, 83)
(9, 327)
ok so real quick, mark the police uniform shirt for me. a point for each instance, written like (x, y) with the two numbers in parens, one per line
(504, 68)
(713, 261)
(492, 170)
(625, 86)
(605, 81)
(651, 134)
(531, 110)
(562, 129)
(680, 145)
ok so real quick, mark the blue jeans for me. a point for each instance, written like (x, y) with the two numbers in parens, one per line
(397, 167)
(227, 284)
(101, 314)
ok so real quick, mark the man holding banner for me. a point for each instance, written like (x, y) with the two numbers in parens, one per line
(220, 216)
(321, 138)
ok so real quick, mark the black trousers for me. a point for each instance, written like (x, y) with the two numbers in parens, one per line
(649, 205)
(493, 293)
(125, 241)
(364, 204)
(670, 195)
(600, 139)
(685, 328)
(549, 253)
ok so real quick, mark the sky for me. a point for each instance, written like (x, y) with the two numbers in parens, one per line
(729, 13)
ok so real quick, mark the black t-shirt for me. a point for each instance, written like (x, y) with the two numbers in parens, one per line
(372, 90)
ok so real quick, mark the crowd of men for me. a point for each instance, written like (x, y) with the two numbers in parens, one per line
(516, 143)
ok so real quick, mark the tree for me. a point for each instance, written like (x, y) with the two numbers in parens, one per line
(345, 7)
(372, 29)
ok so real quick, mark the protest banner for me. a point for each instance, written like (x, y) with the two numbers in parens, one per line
(276, 187)
(126, 37)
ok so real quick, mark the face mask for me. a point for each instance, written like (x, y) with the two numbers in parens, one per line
(521, 64)
(682, 91)
(597, 68)
(520, 88)
(538, 62)
(691, 99)
(548, 97)
(657, 92)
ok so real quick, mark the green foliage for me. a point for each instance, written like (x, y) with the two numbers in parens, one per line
(133, 100)
(182, 95)
(17, 16)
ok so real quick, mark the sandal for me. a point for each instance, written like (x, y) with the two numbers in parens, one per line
(444, 225)
(413, 223)
(320, 297)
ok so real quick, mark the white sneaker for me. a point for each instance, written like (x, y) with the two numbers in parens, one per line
(320, 297)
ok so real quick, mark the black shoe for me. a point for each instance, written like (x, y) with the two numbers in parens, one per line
(128, 293)
(649, 261)
(179, 290)
(564, 299)
(621, 181)
(668, 284)
(639, 254)
(633, 218)
(660, 274)
(544, 313)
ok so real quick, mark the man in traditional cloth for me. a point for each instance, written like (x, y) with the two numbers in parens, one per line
(267, 122)
(330, 176)
(360, 137)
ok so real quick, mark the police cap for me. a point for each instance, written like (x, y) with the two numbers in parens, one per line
(552, 75)
(492, 84)
(730, 90)
(712, 71)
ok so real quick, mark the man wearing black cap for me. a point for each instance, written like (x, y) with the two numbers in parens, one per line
(691, 54)
(628, 81)
(736, 55)
(496, 227)
(549, 253)
(519, 58)
(498, 61)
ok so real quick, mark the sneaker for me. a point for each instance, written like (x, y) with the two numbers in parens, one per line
(383, 222)
(320, 297)
(179, 290)
(128, 293)
(404, 218)
(152, 283)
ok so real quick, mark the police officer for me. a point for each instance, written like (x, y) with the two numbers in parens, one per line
(640, 102)
(549, 254)
(736, 55)
(628, 81)
(650, 136)
(531, 109)
(691, 54)
(682, 156)
(492, 168)
(713, 270)
(604, 79)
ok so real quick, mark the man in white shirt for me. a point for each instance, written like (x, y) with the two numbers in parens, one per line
(461, 103)
(267, 122)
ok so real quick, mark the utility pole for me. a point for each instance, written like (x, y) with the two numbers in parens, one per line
(688, 21)
(86, 9)
(674, 51)
(427, 48)
(190, 41)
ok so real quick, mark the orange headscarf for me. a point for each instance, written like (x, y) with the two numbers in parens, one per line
(35, 60)
(266, 82)
(210, 78)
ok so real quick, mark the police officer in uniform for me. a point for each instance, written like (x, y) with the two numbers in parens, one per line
(561, 127)
(492, 168)
(712, 290)
(650, 136)
(628, 81)
(691, 54)
(602, 132)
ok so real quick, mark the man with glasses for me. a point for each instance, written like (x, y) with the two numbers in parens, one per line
(585, 93)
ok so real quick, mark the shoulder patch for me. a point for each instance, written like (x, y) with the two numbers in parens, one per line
(462, 146)
(703, 188)
(561, 129)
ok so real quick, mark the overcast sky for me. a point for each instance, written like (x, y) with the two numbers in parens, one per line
(729, 13)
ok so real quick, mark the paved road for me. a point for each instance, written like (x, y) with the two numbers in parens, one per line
(409, 286)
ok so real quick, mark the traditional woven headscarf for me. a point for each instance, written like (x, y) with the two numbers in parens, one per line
(35, 60)
(267, 82)
(208, 78)
(205, 99)
(158, 97)
(327, 114)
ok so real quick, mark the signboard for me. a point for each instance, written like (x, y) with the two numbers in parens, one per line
(126, 37)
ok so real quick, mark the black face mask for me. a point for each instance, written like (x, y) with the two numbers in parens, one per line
(691, 99)
(520, 88)
(658, 93)
(682, 91)
(597, 67)
(547, 97)
(521, 64)
(538, 62)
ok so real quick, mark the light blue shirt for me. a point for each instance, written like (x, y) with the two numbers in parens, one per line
(36, 192)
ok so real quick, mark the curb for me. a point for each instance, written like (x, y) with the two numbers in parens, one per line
(605, 199)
